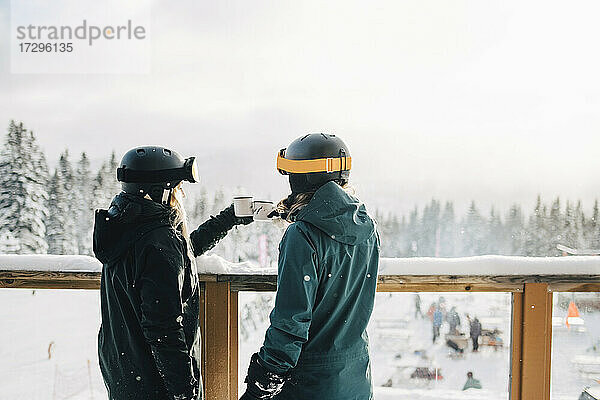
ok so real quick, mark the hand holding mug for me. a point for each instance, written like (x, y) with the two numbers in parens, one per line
(260, 210)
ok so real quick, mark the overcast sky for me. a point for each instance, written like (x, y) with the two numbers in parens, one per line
(495, 101)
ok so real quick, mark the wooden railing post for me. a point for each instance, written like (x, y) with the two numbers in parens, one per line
(202, 319)
(537, 342)
(233, 345)
(220, 341)
(516, 342)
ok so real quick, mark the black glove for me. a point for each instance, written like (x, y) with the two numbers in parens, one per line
(262, 384)
(229, 211)
(207, 235)
(274, 214)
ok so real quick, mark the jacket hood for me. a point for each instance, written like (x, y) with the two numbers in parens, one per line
(128, 218)
(340, 215)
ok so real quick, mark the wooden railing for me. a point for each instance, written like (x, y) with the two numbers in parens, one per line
(531, 316)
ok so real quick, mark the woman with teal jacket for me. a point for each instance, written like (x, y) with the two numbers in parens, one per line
(317, 345)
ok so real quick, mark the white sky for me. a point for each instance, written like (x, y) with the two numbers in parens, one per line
(486, 100)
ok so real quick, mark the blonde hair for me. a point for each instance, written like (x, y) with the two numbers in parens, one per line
(179, 216)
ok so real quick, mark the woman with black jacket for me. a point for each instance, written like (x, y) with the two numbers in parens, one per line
(149, 340)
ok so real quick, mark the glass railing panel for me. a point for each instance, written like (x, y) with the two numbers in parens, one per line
(575, 346)
(406, 362)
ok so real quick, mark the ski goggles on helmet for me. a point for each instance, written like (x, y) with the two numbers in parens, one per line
(189, 172)
(286, 166)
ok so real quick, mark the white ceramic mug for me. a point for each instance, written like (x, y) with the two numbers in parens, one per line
(262, 209)
(242, 206)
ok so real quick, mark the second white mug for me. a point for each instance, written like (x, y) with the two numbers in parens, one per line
(262, 209)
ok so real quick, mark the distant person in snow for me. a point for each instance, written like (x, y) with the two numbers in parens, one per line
(418, 311)
(430, 311)
(475, 332)
(453, 320)
(437, 320)
(317, 346)
(149, 339)
(471, 382)
(442, 304)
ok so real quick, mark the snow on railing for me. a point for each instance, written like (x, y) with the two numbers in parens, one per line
(49, 263)
(491, 265)
(207, 264)
(464, 266)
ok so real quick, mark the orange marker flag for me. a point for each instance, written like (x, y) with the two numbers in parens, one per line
(572, 312)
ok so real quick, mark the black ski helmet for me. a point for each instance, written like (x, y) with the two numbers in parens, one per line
(155, 171)
(313, 160)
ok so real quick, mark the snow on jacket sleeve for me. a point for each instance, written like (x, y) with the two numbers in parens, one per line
(296, 290)
(161, 283)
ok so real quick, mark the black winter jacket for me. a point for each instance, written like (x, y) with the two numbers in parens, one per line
(149, 340)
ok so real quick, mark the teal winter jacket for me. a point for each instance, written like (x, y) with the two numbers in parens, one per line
(327, 275)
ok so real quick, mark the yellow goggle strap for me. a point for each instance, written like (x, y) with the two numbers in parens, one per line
(317, 165)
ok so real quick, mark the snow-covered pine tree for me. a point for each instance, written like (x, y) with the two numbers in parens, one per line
(473, 230)
(83, 205)
(114, 186)
(537, 232)
(63, 221)
(242, 242)
(515, 231)
(67, 206)
(55, 234)
(430, 225)
(572, 231)
(555, 228)
(218, 202)
(581, 225)
(9, 243)
(413, 233)
(494, 233)
(401, 238)
(228, 246)
(100, 194)
(386, 231)
(254, 313)
(23, 179)
(594, 229)
(62, 232)
(447, 231)
(196, 205)
(105, 185)
(395, 238)
(35, 214)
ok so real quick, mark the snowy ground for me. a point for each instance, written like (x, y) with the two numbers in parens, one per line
(30, 322)
(70, 318)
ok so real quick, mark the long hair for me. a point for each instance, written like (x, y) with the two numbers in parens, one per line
(179, 217)
(289, 207)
